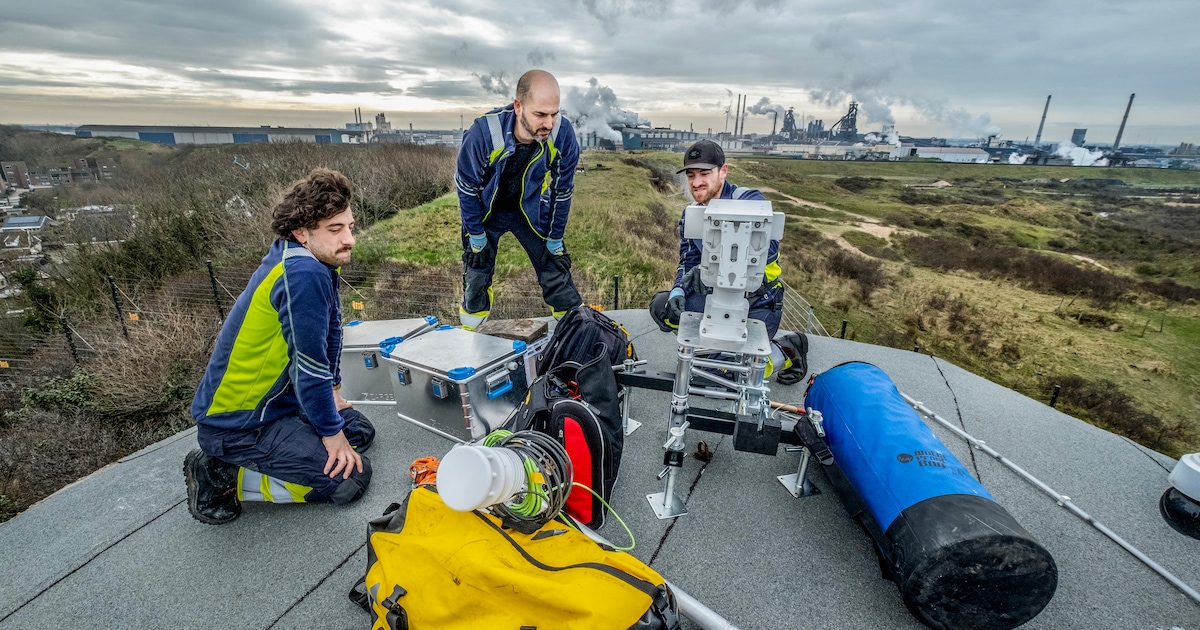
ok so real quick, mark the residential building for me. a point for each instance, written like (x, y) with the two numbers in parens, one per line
(211, 135)
(16, 174)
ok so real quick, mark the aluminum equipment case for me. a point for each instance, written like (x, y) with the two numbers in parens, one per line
(457, 383)
(365, 379)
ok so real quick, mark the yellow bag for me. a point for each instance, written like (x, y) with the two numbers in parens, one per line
(430, 567)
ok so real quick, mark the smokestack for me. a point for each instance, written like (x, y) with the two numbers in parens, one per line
(745, 101)
(1037, 142)
(736, 111)
(1121, 131)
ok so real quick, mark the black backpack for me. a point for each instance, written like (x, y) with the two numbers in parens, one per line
(555, 407)
(577, 335)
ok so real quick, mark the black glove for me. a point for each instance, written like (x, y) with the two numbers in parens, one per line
(477, 260)
(675, 305)
(562, 261)
(691, 282)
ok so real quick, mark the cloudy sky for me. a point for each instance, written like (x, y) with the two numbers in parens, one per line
(932, 67)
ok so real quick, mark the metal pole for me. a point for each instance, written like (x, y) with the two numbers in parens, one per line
(1054, 396)
(112, 284)
(616, 292)
(689, 606)
(843, 333)
(212, 277)
(808, 325)
(70, 340)
(1060, 499)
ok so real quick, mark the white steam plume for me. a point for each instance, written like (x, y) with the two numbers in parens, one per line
(1080, 156)
(1017, 158)
(765, 107)
(596, 109)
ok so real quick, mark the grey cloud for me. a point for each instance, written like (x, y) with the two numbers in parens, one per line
(299, 87)
(1001, 58)
(494, 82)
(446, 90)
(536, 57)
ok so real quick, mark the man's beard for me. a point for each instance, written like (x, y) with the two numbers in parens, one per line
(711, 192)
(530, 130)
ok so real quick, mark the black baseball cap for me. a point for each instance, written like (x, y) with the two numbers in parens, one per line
(704, 154)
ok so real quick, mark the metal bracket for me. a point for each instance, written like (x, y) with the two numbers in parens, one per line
(798, 484)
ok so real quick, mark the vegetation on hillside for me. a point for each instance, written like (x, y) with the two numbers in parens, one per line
(1087, 279)
(184, 206)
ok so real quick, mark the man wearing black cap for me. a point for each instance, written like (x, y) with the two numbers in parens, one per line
(704, 163)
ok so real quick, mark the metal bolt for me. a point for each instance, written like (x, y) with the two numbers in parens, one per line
(753, 260)
(726, 315)
(757, 224)
(714, 257)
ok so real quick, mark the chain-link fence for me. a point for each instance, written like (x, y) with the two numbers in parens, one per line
(206, 297)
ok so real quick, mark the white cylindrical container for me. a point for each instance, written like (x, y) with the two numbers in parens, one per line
(1186, 476)
(473, 477)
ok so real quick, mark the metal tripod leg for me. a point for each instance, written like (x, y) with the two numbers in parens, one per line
(666, 504)
(797, 483)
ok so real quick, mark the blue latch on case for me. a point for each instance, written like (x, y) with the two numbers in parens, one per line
(388, 345)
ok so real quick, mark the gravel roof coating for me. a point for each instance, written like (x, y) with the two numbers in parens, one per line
(118, 548)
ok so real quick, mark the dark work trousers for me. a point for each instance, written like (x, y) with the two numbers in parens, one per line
(769, 312)
(289, 450)
(558, 289)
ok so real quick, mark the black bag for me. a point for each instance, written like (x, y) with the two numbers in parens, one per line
(577, 335)
(594, 443)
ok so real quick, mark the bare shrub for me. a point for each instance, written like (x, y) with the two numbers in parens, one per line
(1102, 402)
(662, 177)
(856, 184)
(867, 273)
(1038, 271)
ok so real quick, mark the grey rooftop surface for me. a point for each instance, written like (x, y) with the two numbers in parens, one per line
(118, 548)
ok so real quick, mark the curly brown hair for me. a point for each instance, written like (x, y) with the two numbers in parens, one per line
(322, 194)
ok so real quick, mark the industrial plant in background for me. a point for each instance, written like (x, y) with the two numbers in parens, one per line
(601, 124)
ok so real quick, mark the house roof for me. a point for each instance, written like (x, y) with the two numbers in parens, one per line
(119, 549)
(24, 222)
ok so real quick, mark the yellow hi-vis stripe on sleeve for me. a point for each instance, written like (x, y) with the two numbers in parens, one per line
(259, 355)
(255, 486)
(772, 271)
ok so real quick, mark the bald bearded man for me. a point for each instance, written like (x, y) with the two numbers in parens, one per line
(516, 174)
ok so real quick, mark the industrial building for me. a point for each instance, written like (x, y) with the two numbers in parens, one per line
(211, 135)
(962, 155)
(658, 138)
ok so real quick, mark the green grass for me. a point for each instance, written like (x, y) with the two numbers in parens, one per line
(622, 225)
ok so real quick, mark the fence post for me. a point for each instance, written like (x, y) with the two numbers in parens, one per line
(1054, 396)
(70, 340)
(916, 348)
(616, 292)
(808, 324)
(212, 277)
(112, 284)
(843, 333)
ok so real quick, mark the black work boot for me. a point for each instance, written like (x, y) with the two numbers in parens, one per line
(795, 348)
(211, 488)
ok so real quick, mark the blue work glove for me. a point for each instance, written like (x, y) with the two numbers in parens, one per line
(675, 305)
(691, 281)
(478, 242)
(555, 246)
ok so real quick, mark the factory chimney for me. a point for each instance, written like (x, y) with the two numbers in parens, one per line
(1038, 140)
(737, 108)
(1121, 131)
